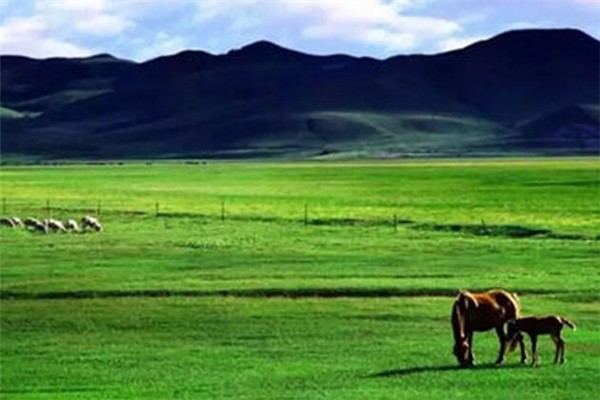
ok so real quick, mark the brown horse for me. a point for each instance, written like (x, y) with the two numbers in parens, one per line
(478, 312)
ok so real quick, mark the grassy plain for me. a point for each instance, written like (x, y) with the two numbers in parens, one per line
(265, 304)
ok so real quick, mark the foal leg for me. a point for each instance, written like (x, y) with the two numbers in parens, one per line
(557, 348)
(534, 352)
(522, 347)
(502, 339)
(561, 344)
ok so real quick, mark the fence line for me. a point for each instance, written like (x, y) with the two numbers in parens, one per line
(480, 228)
(51, 206)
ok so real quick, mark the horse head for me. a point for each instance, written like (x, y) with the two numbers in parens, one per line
(461, 352)
(462, 304)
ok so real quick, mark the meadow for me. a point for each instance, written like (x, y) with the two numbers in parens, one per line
(296, 280)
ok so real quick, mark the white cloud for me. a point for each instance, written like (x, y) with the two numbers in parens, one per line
(455, 43)
(28, 36)
(93, 17)
(595, 4)
(58, 27)
(102, 25)
(378, 23)
(161, 44)
(76, 26)
(144, 29)
(70, 6)
(522, 25)
(209, 9)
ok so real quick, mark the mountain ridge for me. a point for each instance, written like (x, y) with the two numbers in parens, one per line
(266, 99)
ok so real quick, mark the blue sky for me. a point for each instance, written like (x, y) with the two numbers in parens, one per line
(144, 29)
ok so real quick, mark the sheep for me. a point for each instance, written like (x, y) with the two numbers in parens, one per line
(55, 225)
(31, 222)
(39, 227)
(18, 222)
(8, 222)
(92, 223)
(71, 225)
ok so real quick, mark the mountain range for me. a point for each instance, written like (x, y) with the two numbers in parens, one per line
(520, 92)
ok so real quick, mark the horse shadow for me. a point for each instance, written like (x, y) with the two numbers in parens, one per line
(401, 372)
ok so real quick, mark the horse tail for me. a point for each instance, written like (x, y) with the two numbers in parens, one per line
(513, 299)
(513, 302)
(568, 323)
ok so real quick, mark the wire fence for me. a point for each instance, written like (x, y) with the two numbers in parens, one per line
(305, 213)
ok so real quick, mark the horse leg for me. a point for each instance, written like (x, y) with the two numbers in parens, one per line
(471, 356)
(502, 338)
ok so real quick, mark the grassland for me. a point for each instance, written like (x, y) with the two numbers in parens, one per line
(233, 292)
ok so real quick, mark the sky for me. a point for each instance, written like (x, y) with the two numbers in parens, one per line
(144, 29)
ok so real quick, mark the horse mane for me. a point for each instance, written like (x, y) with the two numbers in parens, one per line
(463, 301)
(467, 298)
(516, 301)
(458, 322)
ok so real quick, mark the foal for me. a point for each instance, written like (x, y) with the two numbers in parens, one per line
(535, 326)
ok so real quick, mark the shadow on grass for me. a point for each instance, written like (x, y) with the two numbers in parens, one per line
(293, 293)
(438, 368)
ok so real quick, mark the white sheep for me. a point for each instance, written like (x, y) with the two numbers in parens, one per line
(55, 225)
(7, 222)
(39, 227)
(31, 222)
(71, 225)
(18, 222)
(92, 223)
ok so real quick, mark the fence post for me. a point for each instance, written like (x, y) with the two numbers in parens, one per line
(4, 206)
(48, 208)
(99, 208)
(484, 226)
(395, 223)
(305, 213)
(157, 209)
(223, 210)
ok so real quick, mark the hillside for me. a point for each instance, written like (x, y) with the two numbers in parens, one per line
(514, 93)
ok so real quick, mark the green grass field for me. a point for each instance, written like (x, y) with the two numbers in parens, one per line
(292, 281)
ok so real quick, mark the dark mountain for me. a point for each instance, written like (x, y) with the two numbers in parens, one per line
(574, 125)
(264, 51)
(518, 73)
(518, 92)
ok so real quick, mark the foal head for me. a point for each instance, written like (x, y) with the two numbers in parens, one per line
(511, 329)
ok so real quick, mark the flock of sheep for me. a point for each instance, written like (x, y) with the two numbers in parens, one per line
(53, 225)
